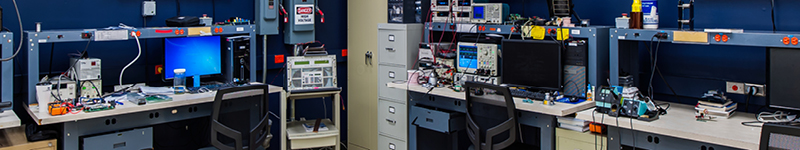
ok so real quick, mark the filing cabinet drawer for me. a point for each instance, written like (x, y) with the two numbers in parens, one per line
(438, 120)
(389, 73)
(388, 143)
(392, 119)
(392, 47)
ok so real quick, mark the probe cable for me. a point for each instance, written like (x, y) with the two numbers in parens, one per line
(134, 60)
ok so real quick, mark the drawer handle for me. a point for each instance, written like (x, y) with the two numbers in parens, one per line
(391, 109)
(390, 49)
(392, 146)
(391, 121)
(429, 120)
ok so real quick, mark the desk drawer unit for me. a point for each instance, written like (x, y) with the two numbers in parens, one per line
(134, 139)
(574, 140)
(388, 143)
(392, 119)
(440, 121)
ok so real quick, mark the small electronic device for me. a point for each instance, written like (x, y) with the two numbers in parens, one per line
(534, 64)
(311, 73)
(91, 88)
(607, 101)
(440, 5)
(461, 78)
(477, 58)
(148, 8)
(441, 16)
(461, 17)
(87, 69)
(62, 90)
(198, 55)
(780, 136)
(489, 13)
(461, 5)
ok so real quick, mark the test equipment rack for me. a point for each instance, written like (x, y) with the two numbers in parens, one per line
(749, 38)
(595, 36)
(621, 40)
(33, 39)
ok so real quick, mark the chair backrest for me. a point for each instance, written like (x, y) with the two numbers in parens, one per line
(254, 132)
(509, 125)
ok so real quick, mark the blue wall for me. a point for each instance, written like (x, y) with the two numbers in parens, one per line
(693, 69)
(80, 14)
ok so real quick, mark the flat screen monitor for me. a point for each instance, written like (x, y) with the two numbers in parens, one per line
(782, 83)
(198, 55)
(532, 64)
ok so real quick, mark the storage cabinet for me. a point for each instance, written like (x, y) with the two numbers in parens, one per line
(398, 47)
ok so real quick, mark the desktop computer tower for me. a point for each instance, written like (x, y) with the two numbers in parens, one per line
(239, 48)
(575, 69)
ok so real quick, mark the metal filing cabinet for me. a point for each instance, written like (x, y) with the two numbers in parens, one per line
(398, 45)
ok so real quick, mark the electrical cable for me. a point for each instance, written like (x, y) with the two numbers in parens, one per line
(772, 4)
(633, 133)
(649, 45)
(134, 60)
(178, 7)
(52, 48)
(20, 30)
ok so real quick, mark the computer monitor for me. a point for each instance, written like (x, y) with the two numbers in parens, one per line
(779, 137)
(782, 83)
(532, 64)
(198, 55)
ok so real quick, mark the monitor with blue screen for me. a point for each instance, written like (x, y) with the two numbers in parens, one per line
(198, 55)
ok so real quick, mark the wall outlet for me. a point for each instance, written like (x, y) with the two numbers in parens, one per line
(760, 89)
(734, 88)
(148, 8)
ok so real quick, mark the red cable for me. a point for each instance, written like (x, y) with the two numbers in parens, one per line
(279, 74)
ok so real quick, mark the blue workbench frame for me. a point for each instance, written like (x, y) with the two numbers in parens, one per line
(595, 36)
(33, 39)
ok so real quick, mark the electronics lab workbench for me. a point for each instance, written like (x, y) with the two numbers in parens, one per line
(130, 115)
(532, 114)
(679, 129)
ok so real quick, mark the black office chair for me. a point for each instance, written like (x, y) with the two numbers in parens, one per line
(474, 130)
(228, 133)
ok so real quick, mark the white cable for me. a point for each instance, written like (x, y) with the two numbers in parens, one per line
(20, 37)
(134, 60)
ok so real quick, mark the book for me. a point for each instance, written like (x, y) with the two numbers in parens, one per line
(730, 106)
(310, 128)
(574, 128)
(571, 121)
(714, 113)
(707, 103)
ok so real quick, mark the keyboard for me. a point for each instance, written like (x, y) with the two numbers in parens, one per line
(527, 94)
(212, 87)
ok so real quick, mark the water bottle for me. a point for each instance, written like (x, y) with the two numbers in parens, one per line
(179, 81)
